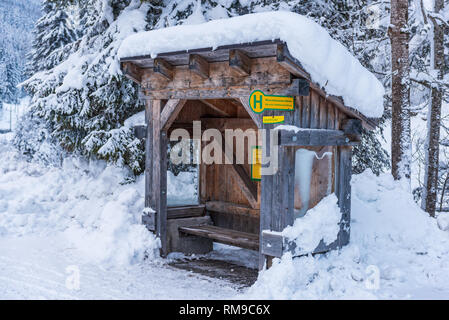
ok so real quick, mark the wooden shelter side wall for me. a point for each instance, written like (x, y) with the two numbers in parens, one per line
(313, 111)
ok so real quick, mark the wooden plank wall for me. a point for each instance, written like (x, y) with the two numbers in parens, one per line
(312, 111)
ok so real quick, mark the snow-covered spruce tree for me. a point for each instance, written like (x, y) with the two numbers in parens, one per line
(16, 21)
(85, 99)
(52, 32)
(10, 76)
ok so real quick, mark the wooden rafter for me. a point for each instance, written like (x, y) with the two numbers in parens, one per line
(223, 107)
(228, 123)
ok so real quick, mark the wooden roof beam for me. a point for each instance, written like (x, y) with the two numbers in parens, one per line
(315, 137)
(162, 67)
(132, 71)
(215, 108)
(228, 123)
(297, 87)
(222, 107)
(199, 65)
(240, 62)
(285, 59)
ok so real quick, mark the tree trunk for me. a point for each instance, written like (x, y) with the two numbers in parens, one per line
(400, 90)
(429, 196)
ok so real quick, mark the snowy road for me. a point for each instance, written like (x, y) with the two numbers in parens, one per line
(34, 267)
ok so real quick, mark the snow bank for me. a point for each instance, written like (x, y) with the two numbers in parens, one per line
(396, 251)
(91, 202)
(86, 201)
(319, 223)
(328, 62)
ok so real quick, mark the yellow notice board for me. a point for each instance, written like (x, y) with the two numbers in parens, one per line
(258, 102)
(256, 165)
(273, 119)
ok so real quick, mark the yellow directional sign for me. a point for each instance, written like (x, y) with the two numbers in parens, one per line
(273, 119)
(258, 102)
(256, 165)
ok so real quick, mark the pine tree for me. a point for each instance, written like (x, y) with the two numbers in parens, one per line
(85, 99)
(432, 145)
(10, 76)
(52, 32)
(400, 126)
(3, 78)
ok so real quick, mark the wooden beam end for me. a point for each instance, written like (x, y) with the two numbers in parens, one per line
(163, 68)
(199, 65)
(240, 62)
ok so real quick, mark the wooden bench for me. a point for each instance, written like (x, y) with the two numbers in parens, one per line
(226, 236)
(185, 211)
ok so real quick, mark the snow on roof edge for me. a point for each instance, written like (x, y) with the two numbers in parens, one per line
(328, 62)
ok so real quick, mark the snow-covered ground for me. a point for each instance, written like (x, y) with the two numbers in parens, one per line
(81, 222)
(396, 252)
(57, 223)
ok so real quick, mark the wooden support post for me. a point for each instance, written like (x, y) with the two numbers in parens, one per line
(282, 202)
(159, 175)
(240, 62)
(156, 156)
(199, 65)
(149, 220)
(343, 191)
(162, 200)
(266, 192)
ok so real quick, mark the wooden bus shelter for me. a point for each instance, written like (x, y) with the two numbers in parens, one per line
(213, 86)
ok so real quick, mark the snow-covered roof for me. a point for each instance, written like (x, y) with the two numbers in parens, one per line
(328, 62)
